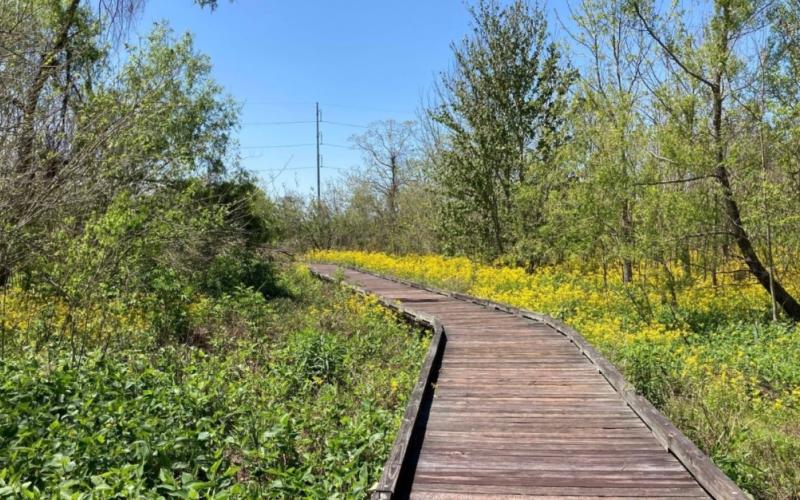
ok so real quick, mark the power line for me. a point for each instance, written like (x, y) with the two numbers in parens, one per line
(278, 169)
(318, 144)
(345, 106)
(321, 145)
(280, 103)
(248, 124)
(367, 108)
(270, 146)
(345, 124)
(303, 122)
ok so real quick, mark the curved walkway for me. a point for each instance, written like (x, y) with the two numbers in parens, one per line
(516, 408)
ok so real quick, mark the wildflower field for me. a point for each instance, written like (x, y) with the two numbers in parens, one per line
(708, 356)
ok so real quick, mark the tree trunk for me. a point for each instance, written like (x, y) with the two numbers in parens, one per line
(626, 220)
(48, 64)
(686, 260)
(627, 238)
(740, 236)
(754, 264)
(5, 275)
(498, 233)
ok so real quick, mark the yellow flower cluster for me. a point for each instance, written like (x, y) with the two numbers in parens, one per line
(25, 314)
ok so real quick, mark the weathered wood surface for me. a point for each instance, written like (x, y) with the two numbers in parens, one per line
(523, 406)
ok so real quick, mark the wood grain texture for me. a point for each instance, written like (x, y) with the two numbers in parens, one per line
(521, 406)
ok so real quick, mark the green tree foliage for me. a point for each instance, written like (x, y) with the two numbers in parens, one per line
(162, 118)
(503, 110)
(128, 185)
(674, 153)
(79, 130)
(607, 151)
(725, 67)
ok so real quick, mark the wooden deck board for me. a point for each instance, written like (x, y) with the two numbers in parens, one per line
(519, 411)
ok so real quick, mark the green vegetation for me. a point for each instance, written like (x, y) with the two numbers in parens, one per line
(649, 138)
(638, 177)
(150, 343)
(292, 397)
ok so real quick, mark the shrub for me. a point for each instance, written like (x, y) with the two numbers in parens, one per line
(228, 271)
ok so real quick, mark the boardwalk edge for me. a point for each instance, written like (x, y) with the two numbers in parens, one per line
(403, 445)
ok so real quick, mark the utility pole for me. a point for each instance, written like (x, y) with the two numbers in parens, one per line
(319, 196)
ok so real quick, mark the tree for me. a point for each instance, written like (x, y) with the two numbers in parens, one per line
(78, 131)
(66, 42)
(608, 143)
(387, 148)
(715, 63)
(503, 110)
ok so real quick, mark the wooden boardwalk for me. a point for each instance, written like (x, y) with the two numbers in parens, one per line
(509, 406)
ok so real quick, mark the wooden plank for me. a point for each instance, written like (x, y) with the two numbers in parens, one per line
(580, 460)
(528, 454)
(533, 491)
(433, 462)
(555, 476)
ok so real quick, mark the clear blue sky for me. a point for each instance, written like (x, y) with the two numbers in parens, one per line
(362, 60)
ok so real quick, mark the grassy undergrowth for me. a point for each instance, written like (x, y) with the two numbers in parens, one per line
(708, 356)
(283, 398)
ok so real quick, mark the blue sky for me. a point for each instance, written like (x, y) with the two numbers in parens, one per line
(362, 60)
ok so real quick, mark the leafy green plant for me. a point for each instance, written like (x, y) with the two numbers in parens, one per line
(290, 397)
(318, 356)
